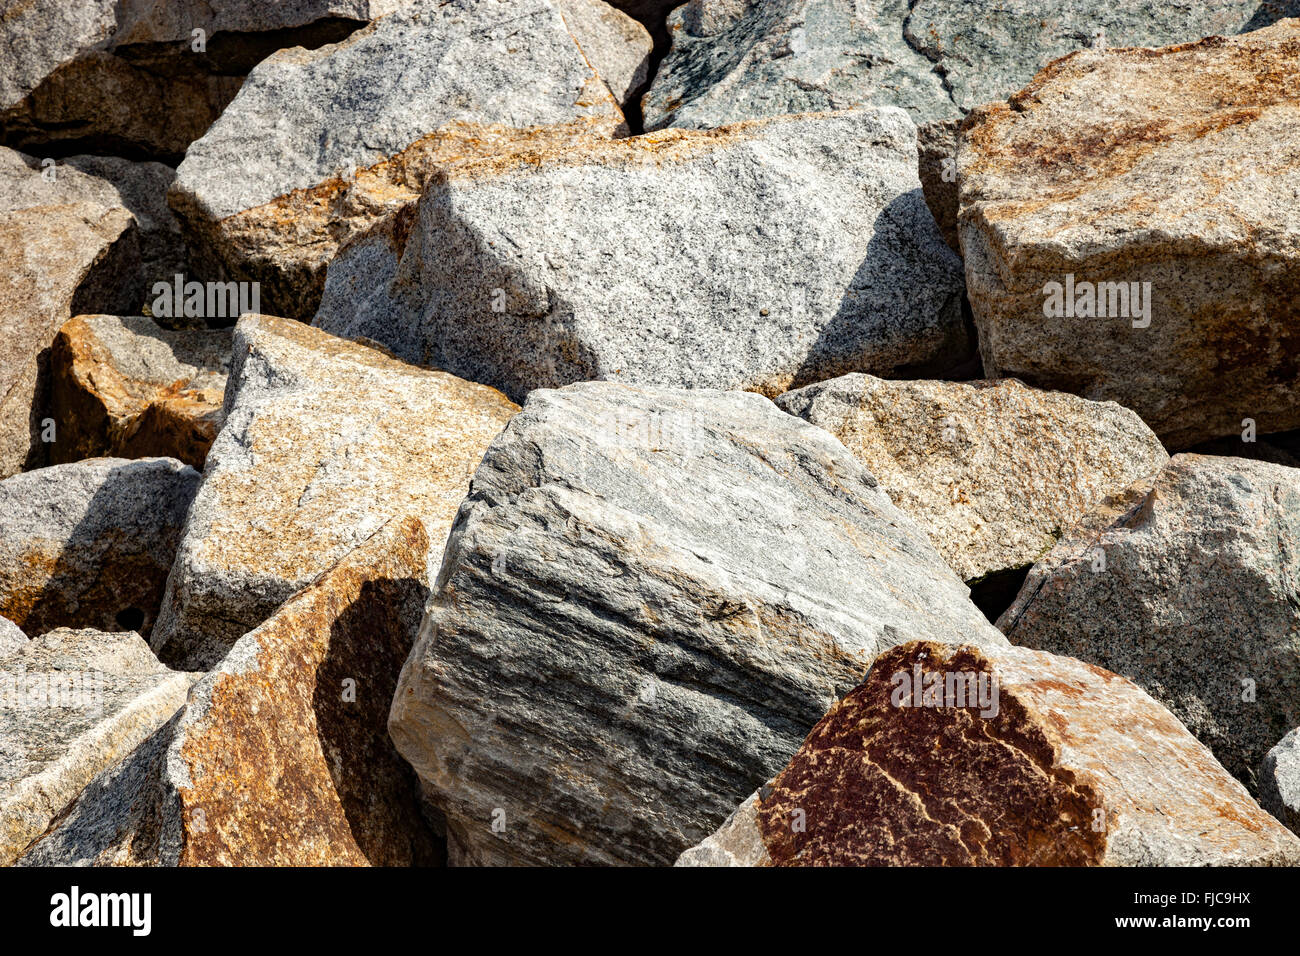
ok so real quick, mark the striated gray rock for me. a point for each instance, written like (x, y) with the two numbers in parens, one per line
(991, 470)
(324, 441)
(763, 256)
(326, 142)
(1130, 227)
(89, 544)
(1033, 760)
(1279, 781)
(1187, 585)
(648, 598)
(11, 638)
(616, 46)
(72, 704)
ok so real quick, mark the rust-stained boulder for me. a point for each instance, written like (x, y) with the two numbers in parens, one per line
(324, 441)
(281, 756)
(948, 756)
(1131, 232)
(72, 704)
(127, 388)
(90, 544)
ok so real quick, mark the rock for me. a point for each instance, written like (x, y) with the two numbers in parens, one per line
(617, 47)
(1186, 584)
(57, 258)
(652, 13)
(90, 544)
(324, 442)
(992, 470)
(124, 387)
(72, 704)
(764, 256)
(327, 142)
(1279, 781)
(648, 598)
(936, 145)
(281, 756)
(12, 639)
(1164, 174)
(1028, 760)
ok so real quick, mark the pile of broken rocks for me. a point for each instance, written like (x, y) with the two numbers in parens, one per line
(737, 433)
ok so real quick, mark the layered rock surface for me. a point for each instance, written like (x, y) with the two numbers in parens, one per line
(1130, 232)
(648, 598)
(1067, 765)
(90, 544)
(324, 441)
(73, 703)
(991, 470)
(1279, 781)
(328, 141)
(1187, 585)
(762, 257)
(125, 387)
(281, 756)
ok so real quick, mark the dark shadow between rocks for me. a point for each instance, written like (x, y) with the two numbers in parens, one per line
(996, 592)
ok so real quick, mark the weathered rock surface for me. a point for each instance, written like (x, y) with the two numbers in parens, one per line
(327, 142)
(1169, 175)
(1279, 781)
(73, 703)
(57, 258)
(991, 470)
(11, 638)
(324, 441)
(1059, 763)
(761, 257)
(617, 47)
(90, 544)
(124, 387)
(613, 657)
(1186, 584)
(281, 756)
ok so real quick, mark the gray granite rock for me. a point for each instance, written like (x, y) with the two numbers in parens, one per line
(73, 704)
(320, 144)
(90, 544)
(763, 256)
(648, 598)
(617, 46)
(1279, 781)
(11, 638)
(1187, 585)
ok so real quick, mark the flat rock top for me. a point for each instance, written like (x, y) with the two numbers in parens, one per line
(40, 36)
(303, 116)
(1192, 147)
(152, 357)
(169, 21)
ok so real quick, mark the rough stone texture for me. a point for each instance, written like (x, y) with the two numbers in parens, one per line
(1073, 766)
(327, 142)
(281, 756)
(648, 598)
(11, 638)
(936, 145)
(57, 258)
(652, 13)
(89, 544)
(1279, 781)
(991, 470)
(1175, 167)
(761, 257)
(127, 388)
(72, 704)
(1198, 596)
(617, 47)
(324, 441)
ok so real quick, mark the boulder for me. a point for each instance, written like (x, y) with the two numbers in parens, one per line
(991, 470)
(281, 756)
(1130, 230)
(72, 704)
(324, 441)
(648, 598)
(764, 256)
(12, 639)
(617, 47)
(90, 544)
(1279, 781)
(321, 144)
(127, 388)
(948, 756)
(1187, 585)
